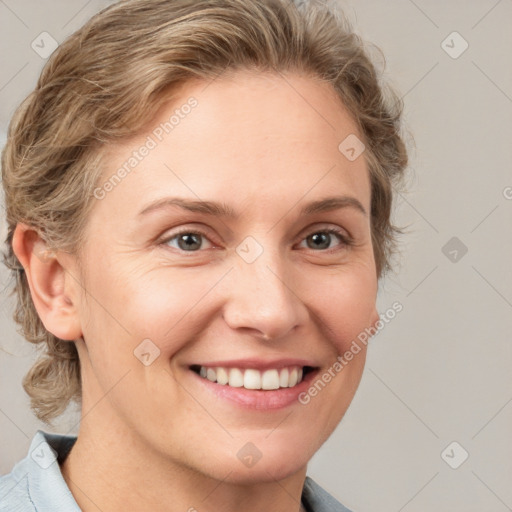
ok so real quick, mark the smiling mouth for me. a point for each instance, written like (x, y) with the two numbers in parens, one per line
(253, 379)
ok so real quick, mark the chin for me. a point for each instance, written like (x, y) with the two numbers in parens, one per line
(263, 471)
(278, 460)
(250, 465)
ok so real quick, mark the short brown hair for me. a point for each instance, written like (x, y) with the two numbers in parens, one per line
(109, 78)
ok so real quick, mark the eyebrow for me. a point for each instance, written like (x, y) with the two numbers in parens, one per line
(223, 210)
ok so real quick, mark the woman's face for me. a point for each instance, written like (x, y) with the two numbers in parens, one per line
(177, 288)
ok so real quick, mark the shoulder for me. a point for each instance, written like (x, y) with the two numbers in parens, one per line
(36, 482)
(14, 490)
(317, 499)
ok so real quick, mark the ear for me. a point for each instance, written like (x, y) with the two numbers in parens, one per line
(54, 289)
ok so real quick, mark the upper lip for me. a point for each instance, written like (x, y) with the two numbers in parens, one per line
(257, 364)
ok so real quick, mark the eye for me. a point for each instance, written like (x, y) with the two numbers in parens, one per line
(321, 240)
(189, 241)
(192, 241)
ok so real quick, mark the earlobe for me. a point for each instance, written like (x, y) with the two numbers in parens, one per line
(52, 288)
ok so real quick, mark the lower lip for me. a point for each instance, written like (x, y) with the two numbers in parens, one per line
(258, 399)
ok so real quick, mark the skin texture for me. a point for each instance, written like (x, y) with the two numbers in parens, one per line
(153, 437)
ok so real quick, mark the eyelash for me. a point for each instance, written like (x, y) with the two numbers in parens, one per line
(346, 240)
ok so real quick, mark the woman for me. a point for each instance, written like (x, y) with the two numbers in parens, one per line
(198, 197)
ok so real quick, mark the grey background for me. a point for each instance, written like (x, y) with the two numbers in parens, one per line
(440, 371)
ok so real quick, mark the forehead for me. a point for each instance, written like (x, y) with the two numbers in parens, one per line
(242, 136)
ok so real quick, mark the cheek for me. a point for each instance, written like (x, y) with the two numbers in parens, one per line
(345, 306)
(169, 307)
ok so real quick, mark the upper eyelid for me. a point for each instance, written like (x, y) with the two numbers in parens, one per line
(169, 236)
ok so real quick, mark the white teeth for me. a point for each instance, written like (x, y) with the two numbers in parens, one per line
(254, 379)
(236, 378)
(292, 380)
(222, 376)
(283, 378)
(270, 379)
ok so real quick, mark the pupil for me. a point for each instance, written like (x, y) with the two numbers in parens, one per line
(189, 240)
(321, 237)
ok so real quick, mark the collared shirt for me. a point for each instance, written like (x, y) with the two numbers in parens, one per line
(36, 484)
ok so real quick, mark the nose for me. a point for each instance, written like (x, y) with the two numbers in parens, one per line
(262, 299)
